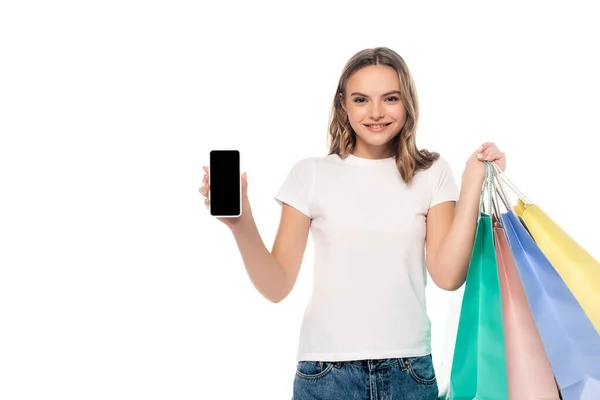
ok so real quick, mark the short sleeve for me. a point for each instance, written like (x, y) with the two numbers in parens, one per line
(296, 188)
(443, 185)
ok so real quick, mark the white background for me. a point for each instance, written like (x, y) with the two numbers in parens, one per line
(117, 284)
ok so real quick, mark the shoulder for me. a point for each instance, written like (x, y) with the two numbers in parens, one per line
(440, 173)
(439, 166)
(304, 164)
(442, 182)
(303, 170)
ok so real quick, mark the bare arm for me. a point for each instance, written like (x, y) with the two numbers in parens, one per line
(274, 273)
(450, 237)
(451, 228)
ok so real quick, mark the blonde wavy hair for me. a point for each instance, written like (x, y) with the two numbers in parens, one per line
(342, 138)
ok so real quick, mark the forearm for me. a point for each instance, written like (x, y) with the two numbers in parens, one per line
(454, 254)
(265, 273)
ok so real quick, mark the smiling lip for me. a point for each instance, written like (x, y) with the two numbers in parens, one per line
(377, 127)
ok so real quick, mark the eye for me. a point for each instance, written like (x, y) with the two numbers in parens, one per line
(359, 99)
(392, 99)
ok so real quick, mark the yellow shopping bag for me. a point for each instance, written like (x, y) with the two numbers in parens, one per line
(577, 268)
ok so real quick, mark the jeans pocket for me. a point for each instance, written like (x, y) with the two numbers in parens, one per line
(313, 369)
(421, 369)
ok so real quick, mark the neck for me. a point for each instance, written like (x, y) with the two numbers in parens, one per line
(363, 150)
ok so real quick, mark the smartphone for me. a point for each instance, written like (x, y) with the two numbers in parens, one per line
(225, 184)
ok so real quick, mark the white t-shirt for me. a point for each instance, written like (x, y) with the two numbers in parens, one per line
(368, 231)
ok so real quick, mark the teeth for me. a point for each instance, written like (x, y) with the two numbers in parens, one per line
(376, 126)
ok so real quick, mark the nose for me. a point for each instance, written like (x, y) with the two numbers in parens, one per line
(377, 112)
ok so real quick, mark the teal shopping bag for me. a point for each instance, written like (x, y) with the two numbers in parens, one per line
(479, 363)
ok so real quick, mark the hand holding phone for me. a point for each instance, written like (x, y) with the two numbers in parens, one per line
(223, 186)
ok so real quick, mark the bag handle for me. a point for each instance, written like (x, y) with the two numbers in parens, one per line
(500, 193)
(495, 192)
(506, 180)
(490, 188)
(486, 189)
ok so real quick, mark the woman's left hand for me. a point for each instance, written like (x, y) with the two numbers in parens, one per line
(475, 168)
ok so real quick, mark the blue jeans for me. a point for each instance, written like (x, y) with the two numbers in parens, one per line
(411, 378)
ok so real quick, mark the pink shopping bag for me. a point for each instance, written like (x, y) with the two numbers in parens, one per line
(529, 373)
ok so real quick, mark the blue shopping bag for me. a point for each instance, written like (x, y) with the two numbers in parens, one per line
(570, 340)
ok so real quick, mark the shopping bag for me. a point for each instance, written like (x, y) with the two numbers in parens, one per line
(479, 362)
(529, 372)
(577, 268)
(570, 340)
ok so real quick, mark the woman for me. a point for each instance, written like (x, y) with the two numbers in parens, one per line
(381, 213)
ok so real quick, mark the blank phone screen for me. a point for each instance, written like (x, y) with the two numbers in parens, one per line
(225, 188)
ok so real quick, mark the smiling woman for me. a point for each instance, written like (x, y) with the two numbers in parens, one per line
(371, 112)
(382, 213)
(375, 112)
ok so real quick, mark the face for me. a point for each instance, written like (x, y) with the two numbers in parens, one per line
(376, 113)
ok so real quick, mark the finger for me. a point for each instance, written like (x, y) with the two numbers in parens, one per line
(490, 155)
(244, 184)
(205, 168)
(488, 150)
(482, 156)
(205, 178)
(204, 190)
(484, 147)
(498, 155)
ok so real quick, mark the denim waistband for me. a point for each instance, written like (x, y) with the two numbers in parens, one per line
(374, 364)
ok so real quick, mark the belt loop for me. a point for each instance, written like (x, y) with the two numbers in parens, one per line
(404, 363)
